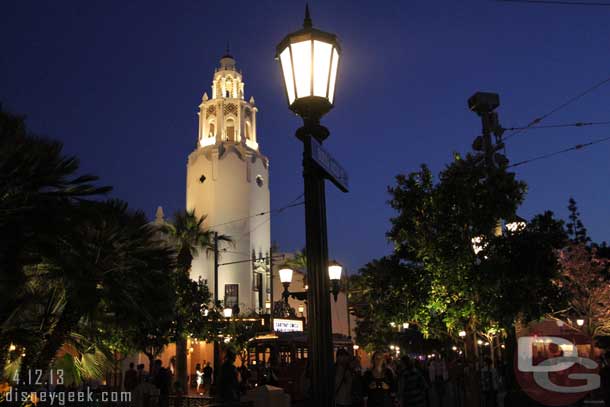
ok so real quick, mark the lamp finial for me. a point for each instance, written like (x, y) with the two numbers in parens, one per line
(307, 22)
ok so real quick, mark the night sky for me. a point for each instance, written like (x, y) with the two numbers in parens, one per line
(119, 83)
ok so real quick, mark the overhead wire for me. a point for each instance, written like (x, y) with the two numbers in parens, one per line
(561, 2)
(556, 126)
(565, 150)
(573, 99)
(278, 210)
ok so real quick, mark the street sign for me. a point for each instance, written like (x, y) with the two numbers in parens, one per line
(334, 171)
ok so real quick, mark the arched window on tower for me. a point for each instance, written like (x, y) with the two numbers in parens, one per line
(212, 129)
(229, 88)
(248, 131)
(230, 129)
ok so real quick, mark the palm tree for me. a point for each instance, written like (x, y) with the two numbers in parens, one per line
(38, 187)
(189, 237)
(110, 260)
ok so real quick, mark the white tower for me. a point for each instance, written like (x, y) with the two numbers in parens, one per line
(228, 181)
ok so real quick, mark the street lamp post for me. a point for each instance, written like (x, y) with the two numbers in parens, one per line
(309, 60)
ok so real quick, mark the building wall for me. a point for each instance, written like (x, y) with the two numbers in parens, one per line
(230, 197)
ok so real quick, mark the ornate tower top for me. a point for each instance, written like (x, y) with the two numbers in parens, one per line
(227, 117)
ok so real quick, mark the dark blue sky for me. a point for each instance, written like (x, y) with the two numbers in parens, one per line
(119, 83)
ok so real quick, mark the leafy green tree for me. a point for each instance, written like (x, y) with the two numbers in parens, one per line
(385, 294)
(481, 280)
(436, 224)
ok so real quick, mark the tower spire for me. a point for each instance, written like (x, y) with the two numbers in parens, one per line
(307, 23)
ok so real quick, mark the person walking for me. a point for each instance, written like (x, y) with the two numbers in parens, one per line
(379, 383)
(131, 378)
(489, 384)
(344, 379)
(438, 374)
(208, 372)
(229, 380)
(163, 380)
(412, 386)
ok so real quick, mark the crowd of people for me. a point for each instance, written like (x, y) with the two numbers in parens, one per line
(388, 382)
(407, 382)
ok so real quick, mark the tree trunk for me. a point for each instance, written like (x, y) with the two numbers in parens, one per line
(511, 349)
(181, 361)
(151, 361)
(472, 388)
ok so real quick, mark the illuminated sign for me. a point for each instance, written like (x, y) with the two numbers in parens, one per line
(287, 325)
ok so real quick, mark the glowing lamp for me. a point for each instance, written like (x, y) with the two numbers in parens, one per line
(309, 59)
(228, 312)
(286, 275)
(334, 271)
(462, 334)
(580, 322)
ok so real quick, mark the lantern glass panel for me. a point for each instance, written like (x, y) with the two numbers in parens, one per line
(333, 76)
(301, 58)
(322, 52)
(287, 70)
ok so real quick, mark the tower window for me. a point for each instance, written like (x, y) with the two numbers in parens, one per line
(230, 130)
(248, 131)
(202, 178)
(260, 181)
(212, 128)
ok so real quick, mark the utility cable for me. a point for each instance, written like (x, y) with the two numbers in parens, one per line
(556, 126)
(573, 148)
(562, 2)
(573, 99)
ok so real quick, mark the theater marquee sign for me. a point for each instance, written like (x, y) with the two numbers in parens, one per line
(287, 325)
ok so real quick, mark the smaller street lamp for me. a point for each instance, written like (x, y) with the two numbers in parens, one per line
(462, 334)
(405, 325)
(228, 312)
(580, 322)
(334, 273)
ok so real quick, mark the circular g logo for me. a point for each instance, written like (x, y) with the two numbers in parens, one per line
(550, 371)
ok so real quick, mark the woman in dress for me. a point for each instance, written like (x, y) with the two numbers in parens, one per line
(379, 383)
(199, 374)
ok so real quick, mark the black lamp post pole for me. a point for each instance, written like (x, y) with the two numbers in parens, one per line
(319, 324)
